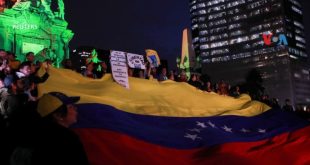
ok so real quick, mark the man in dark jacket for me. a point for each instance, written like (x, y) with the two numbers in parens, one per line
(51, 142)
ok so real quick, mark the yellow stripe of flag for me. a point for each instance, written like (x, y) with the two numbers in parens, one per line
(147, 97)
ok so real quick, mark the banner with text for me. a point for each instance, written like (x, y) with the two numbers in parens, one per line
(119, 68)
(135, 61)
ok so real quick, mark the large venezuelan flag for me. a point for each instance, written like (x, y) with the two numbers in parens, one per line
(174, 123)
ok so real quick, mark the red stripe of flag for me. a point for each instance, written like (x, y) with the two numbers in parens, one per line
(107, 147)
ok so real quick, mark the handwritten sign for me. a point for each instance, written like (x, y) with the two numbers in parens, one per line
(119, 68)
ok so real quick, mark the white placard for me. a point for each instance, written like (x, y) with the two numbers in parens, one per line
(119, 68)
(135, 61)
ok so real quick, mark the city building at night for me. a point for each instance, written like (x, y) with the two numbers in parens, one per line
(231, 37)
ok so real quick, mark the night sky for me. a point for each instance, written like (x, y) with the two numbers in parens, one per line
(136, 25)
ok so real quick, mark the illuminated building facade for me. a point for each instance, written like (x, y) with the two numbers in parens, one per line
(228, 38)
(30, 26)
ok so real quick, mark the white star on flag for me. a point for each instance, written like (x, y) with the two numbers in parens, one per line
(227, 129)
(211, 124)
(261, 130)
(245, 130)
(193, 137)
(195, 130)
(202, 125)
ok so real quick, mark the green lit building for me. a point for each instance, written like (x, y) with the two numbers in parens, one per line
(34, 26)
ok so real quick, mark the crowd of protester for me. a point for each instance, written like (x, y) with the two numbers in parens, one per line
(222, 87)
(25, 129)
(33, 130)
(18, 83)
(13, 72)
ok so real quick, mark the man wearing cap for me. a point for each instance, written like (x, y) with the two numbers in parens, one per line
(56, 143)
(58, 108)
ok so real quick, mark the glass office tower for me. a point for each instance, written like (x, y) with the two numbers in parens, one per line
(233, 36)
